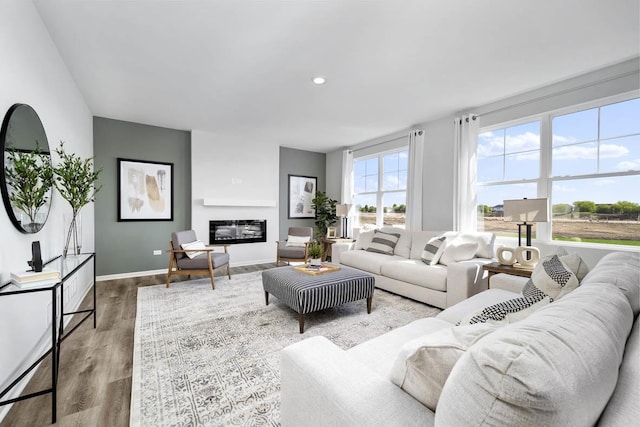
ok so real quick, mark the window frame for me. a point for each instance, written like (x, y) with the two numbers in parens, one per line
(380, 192)
(545, 179)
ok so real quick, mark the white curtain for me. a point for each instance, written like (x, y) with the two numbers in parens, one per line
(465, 199)
(347, 189)
(414, 181)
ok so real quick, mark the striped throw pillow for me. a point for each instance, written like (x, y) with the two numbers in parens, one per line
(433, 250)
(383, 243)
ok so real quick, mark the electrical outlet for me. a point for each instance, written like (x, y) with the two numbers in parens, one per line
(157, 252)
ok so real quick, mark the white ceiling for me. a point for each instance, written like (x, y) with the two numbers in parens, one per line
(240, 66)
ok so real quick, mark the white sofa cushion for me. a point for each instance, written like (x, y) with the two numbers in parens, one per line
(403, 247)
(380, 354)
(623, 408)
(559, 367)
(423, 364)
(457, 251)
(419, 239)
(485, 240)
(364, 239)
(367, 261)
(417, 273)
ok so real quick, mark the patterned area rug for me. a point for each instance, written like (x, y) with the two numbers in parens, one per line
(207, 357)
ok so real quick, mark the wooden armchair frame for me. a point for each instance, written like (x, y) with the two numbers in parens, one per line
(174, 269)
(287, 260)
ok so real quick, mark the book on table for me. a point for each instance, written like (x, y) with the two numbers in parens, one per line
(27, 277)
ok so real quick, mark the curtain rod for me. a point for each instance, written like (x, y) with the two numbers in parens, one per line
(551, 95)
(419, 132)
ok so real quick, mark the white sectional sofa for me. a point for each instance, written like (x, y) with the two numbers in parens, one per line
(405, 274)
(574, 362)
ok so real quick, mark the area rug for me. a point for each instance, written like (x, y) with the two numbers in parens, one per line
(206, 357)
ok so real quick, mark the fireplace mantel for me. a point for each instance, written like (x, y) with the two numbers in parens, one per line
(240, 202)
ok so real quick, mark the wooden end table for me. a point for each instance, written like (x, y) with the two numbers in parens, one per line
(515, 270)
(327, 243)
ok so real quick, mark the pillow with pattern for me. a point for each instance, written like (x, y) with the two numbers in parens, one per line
(383, 243)
(550, 280)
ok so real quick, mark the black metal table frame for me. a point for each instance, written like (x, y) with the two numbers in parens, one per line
(56, 336)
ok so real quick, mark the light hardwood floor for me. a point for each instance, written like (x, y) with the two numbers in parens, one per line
(94, 383)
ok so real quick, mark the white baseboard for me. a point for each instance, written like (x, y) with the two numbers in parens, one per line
(164, 271)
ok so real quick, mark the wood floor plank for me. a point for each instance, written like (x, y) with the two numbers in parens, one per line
(94, 383)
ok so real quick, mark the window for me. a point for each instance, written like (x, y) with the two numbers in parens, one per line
(380, 187)
(591, 175)
(508, 168)
(596, 174)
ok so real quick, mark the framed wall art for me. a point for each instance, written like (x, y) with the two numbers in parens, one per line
(145, 190)
(302, 190)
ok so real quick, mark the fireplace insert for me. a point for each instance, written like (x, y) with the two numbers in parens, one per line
(234, 231)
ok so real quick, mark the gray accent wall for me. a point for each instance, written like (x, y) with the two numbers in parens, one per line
(124, 247)
(298, 162)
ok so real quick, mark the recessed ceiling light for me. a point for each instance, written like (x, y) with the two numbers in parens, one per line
(319, 80)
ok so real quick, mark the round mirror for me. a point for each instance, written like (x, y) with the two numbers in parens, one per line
(27, 176)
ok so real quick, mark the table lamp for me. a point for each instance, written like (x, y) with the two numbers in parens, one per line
(342, 210)
(525, 212)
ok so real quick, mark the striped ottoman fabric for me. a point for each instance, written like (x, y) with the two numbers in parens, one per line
(306, 293)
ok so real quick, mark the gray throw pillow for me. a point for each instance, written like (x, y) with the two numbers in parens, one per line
(383, 243)
(433, 250)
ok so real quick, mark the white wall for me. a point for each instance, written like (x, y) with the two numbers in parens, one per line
(33, 73)
(237, 168)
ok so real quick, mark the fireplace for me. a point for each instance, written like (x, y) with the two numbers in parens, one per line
(234, 231)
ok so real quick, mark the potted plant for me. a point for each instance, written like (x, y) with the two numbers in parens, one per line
(30, 177)
(314, 252)
(75, 181)
(325, 213)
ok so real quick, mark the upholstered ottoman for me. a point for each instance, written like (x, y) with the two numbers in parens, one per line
(307, 293)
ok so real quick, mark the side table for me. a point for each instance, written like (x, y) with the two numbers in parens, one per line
(327, 243)
(496, 267)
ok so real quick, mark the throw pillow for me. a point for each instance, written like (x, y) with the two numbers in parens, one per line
(550, 280)
(576, 264)
(364, 239)
(433, 250)
(423, 364)
(383, 243)
(297, 241)
(193, 245)
(457, 251)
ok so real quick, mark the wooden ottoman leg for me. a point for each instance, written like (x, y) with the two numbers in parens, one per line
(266, 297)
(301, 322)
(369, 305)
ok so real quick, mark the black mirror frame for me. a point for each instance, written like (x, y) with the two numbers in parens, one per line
(3, 181)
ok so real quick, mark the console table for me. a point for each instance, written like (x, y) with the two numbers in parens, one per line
(68, 266)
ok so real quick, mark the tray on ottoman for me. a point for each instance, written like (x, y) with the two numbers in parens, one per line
(307, 293)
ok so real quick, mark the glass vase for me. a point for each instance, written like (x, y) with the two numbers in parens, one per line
(73, 235)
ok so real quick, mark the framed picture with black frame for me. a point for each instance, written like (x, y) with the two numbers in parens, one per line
(302, 190)
(145, 190)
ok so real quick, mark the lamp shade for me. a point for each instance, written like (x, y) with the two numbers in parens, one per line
(343, 210)
(526, 210)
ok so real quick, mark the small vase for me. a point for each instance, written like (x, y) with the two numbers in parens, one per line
(73, 235)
